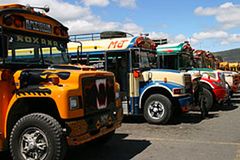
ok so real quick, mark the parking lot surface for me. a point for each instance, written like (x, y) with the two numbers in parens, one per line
(188, 138)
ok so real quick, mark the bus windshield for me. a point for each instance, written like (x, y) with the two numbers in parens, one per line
(185, 60)
(31, 53)
(180, 61)
(140, 60)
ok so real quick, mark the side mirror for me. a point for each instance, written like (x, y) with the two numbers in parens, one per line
(3, 46)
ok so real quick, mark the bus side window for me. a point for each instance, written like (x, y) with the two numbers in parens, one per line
(3, 46)
(112, 65)
(135, 60)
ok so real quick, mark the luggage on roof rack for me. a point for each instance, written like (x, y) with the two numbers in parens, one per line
(113, 34)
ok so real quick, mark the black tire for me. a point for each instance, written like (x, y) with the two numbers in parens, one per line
(203, 108)
(40, 134)
(208, 98)
(162, 106)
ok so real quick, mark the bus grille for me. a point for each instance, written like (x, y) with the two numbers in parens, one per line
(188, 83)
(98, 94)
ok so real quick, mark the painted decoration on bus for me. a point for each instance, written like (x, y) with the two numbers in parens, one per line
(33, 40)
(118, 44)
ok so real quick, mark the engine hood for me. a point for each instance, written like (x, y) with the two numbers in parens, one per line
(66, 74)
(165, 75)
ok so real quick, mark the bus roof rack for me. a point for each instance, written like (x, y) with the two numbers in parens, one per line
(114, 34)
(97, 36)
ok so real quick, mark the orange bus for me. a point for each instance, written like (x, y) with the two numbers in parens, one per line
(46, 103)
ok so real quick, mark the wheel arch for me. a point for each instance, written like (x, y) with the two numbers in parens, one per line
(24, 106)
(207, 84)
(209, 87)
(154, 90)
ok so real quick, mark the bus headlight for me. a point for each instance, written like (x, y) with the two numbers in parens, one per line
(73, 103)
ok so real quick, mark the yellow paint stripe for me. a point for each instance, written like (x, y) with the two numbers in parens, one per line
(27, 52)
(85, 47)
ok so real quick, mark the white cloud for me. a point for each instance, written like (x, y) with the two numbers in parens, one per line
(210, 35)
(132, 28)
(233, 38)
(83, 26)
(215, 37)
(227, 5)
(126, 3)
(180, 38)
(79, 19)
(158, 35)
(101, 3)
(59, 9)
(198, 38)
(227, 14)
(171, 38)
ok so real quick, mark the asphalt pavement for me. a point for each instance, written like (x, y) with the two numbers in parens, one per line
(189, 137)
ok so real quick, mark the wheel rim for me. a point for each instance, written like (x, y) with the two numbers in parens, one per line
(156, 110)
(34, 144)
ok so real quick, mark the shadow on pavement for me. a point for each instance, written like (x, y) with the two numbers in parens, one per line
(134, 119)
(237, 101)
(116, 149)
(192, 118)
(228, 107)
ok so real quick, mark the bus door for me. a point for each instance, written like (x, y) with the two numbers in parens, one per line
(78, 58)
(134, 78)
(118, 63)
(6, 81)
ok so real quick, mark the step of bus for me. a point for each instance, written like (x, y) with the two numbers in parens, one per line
(125, 107)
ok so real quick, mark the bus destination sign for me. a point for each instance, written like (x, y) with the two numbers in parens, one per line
(38, 26)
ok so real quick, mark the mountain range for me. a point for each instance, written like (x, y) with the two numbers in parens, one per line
(232, 55)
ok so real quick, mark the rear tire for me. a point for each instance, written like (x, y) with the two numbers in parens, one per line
(37, 136)
(158, 109)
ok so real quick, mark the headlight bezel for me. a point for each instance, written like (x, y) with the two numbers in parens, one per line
(179, 90)
(73, 102)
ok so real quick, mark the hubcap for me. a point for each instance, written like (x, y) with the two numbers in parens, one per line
(34, 144)
(156, 110)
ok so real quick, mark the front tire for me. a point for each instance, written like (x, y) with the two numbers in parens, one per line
(37, 136)
(208, 98)
(158, 109)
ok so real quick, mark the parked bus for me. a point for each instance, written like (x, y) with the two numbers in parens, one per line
(204, 59)
(180, 56)
(154, 93)
(45, 103)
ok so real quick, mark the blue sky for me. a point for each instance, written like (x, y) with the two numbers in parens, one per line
(212, 25)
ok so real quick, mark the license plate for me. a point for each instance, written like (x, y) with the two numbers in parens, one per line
(38, 26)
